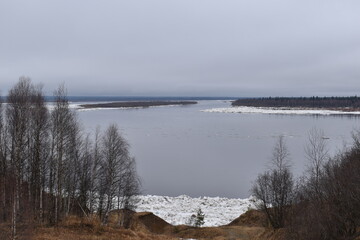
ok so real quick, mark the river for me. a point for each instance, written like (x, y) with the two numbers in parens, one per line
(182, 150)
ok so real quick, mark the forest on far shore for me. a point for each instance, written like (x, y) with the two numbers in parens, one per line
(352, 103)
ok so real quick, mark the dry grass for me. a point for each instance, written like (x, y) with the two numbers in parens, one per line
(74, 228)
(252, 218)
(147, 226)
(5, 231)
(218, 233)
(24, 230)
(270, 234)
(79, 234)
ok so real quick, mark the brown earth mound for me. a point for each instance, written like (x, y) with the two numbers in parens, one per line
(151, 222)
(248, 226)
(252, 218)
(142, 221)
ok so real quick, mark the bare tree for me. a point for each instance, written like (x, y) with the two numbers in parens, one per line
(84, 173)
(280, 156)
(39, 150)
(94, 171)
(62, 126)
(117, 169)
(114, 152)
(3, 165)
(309, 214)
(316, 152)
(128, 188)
(73, 158)
(274, 188)
(18, 113)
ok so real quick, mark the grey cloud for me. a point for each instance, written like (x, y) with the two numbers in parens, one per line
(183, 47)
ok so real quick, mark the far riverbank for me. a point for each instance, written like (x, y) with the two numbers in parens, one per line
(137, 104)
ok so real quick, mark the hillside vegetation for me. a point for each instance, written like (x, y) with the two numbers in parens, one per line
(324, 203)
(51, 169)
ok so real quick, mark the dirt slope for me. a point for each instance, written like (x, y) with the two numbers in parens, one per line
(253, 218)
(249, 226)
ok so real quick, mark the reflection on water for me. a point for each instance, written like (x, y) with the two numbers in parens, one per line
(181, 150)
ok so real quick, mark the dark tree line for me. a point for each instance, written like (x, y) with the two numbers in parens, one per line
(325, 202)
(49, 168)
(301, 102)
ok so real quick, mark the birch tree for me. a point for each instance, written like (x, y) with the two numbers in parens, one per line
(95, 171)
(62, 120)
(85, 175)
(116, 169)
(3, 165)
(39, 148)
(18, 114)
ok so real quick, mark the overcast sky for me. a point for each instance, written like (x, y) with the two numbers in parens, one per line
(183, 47)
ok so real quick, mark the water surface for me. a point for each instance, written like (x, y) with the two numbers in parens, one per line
(181, 150)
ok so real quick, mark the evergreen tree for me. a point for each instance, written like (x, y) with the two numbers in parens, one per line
(200, 216)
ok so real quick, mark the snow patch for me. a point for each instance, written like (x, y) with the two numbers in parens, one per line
(177, 210)
(293, 111)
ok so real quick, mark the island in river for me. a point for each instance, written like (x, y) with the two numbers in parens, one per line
(136, 104)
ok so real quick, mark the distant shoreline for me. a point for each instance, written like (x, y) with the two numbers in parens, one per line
(136, 104)
(345, 104)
